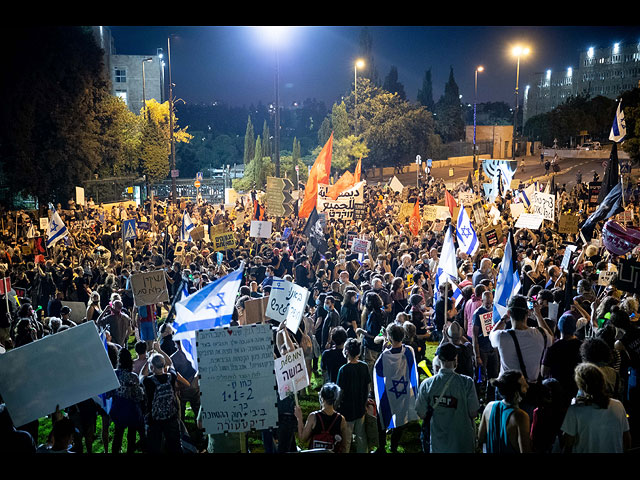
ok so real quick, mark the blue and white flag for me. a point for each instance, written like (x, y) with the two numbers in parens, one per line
(527, 194)
(619, 127)
(447, 270)
(56, 230)
(209, 307)
(188, 344)
(507, 282)
(186, 227)
(467, 238)
(102, 400)
(396, 387)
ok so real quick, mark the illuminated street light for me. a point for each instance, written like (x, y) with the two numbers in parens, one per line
(144, 98)
(517, 51)
(475, 99)
(359, 64)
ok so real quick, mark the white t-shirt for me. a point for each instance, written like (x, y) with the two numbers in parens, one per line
(532, 345)
(597, 430)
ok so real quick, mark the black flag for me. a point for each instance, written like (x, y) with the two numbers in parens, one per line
(610, 206)
(611, 174)
(314, 231)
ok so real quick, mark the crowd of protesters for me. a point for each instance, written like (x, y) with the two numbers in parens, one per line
(556, 373)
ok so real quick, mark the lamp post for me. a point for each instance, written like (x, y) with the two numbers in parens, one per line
(144, 98)
(517, 52)
(475, 100)
(173, 143)
(356, 66)
(276, 139)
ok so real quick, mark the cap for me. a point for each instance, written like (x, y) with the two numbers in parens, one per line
(64, 310)
(567, 324)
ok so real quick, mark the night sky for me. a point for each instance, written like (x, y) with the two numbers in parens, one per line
(235, 65)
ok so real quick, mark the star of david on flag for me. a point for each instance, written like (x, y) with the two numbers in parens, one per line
(56, 230)
(467, 238)
(186, 227)
(210, 307)
(619, 127)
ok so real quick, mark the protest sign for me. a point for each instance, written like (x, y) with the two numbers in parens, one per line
(567, 256)
(286, 303)
(544, 204)
(223, 241)
(396, 185)
(260, 229)
(149, 288)
(406, 209)
(517, 209)
(62, 369)
(360, 245)
(466, 198)
(532, 221)
(254, 311)
(479, 215)
(629, 276)
(291, 373)
(430, 212)
(486, 322)
(343, 207)
(568, 224)
(605, 277)
(197, 233)
(78, 310)
(237, 378)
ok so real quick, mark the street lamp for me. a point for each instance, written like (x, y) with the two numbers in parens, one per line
(173, 143)
(475, 99)
(144, 98)
(359, 64)
(517, 51)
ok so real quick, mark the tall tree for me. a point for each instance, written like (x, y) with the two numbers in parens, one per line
(449, 112)
(370, 70)
(266, 140)
(391, 83)
(339, 121)
(249, 141)
(425, 94)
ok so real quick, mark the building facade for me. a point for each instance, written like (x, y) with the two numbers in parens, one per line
(606, 71)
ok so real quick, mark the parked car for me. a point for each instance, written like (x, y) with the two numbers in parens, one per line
(590, 146)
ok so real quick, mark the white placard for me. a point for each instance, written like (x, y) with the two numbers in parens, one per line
(343, 207)
(532, 221)
(79, 196)
(553, 311)
(149, 288)
(260, 229)
(466, 198)
(486, 322)
(286, 303)
(517, 209)
(291, 373)
(396, 185)
(61, 369)
(544, 204)
(360, 245)
(567, 256)
(44, 224)
(605, 276)
(237, 381)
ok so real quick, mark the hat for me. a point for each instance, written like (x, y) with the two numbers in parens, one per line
(447, 352)
(454, 331)
(65, 310)
(567, 324)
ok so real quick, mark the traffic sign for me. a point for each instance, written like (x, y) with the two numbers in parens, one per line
(196, 184)
(279, 198)
(199, 176)
(129, 229)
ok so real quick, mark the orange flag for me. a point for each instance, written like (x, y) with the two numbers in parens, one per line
(356, 176)
(450, 202)
(319, 174)
(414, 220)
(345, 182)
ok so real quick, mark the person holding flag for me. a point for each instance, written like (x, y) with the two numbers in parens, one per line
(466, 235)
(445, 281)
(186, 227)
(319, 174)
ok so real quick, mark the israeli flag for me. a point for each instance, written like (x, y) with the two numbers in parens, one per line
(189, 344)
(209, 307)
(507, 282)
(396, 387)
(447, 270)
(102, 400)
(527, 194)
(619, 127)
(186, 227)
(56, 230)
(466, 235)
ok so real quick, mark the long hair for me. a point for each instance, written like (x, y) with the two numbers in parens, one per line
(590, 380)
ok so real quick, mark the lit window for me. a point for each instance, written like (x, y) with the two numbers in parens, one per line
(123, 95)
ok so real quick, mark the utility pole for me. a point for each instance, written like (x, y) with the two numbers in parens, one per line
(173, 143)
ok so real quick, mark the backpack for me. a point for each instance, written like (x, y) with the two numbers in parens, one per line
(164, 405)
(324, 439)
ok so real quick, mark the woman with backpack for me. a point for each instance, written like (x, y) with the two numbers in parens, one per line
(325, 428)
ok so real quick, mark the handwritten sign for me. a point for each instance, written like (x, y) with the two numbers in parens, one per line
(605, 277)
(237, 380)
(544, 204)
(466, 198)
(260, 229)
(360, 245)
(223, 241)
(291, 373)
(532, 221)
(568, 224)
(286, 303)
(629, 276)
(149, 288)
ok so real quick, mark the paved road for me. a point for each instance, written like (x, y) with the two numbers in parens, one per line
(533, 170)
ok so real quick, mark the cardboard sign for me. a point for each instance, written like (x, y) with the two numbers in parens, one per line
(291, 373)
(260, 229)
(360, 245)
(286, 303)
(466, 198)
(544, 204)
(429, 212)
(197, 233)
(149, 288)
(223, 241)
(254, 310)
(532, 221)
(605, 277)
(406, 209)
(396, 185)
(237, 380)
(568, 224)
(44, 224)
(479, 215)
(62, 369)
